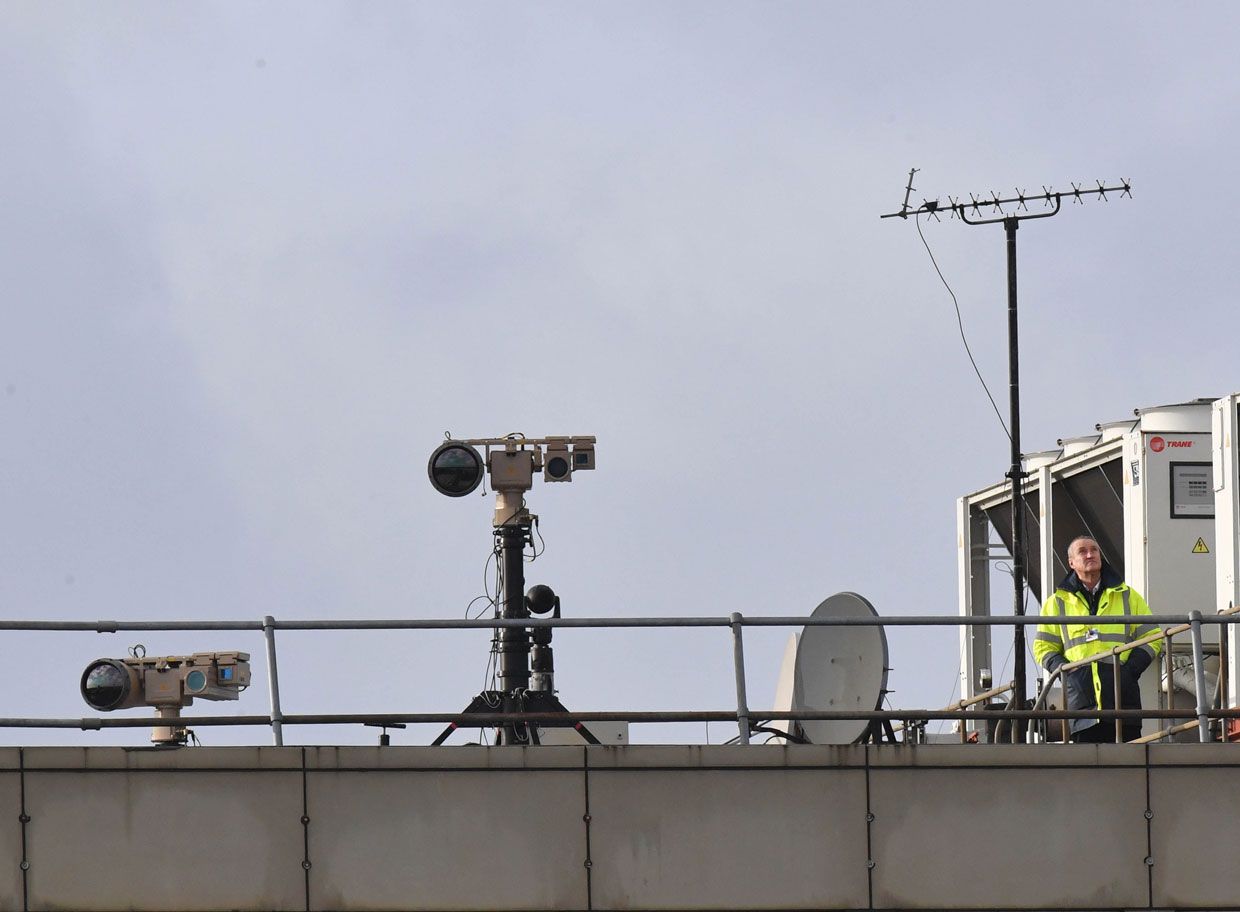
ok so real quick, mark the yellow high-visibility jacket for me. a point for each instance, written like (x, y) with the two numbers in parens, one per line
(1069, 633)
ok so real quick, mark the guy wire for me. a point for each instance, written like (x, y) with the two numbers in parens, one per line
(960, 323)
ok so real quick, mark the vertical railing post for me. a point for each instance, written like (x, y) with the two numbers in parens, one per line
(273, 682)
(1199, 678)
(1166, 693)
(1224, 683)
(738, 659)
(1117, 702)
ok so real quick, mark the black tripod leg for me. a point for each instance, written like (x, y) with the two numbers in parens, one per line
(539, 701)
(444, 735)
(586, 733)
(483, 703)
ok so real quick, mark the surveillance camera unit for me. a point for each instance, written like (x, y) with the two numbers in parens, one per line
(456, 467)
(166, 683)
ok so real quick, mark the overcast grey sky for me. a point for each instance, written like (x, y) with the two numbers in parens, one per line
(258, 258)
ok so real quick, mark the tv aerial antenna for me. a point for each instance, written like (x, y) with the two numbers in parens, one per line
(989, 210)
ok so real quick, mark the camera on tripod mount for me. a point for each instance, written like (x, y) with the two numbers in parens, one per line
(526, 664)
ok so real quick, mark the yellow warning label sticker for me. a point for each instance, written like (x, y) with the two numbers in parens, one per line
(1200, 547)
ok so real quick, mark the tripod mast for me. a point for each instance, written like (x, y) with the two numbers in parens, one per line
(456, 469)
(512, 532)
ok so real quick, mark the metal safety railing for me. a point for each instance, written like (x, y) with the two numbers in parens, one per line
(1200, 717)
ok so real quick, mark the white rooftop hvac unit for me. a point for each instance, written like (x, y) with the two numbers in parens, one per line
(1158, 494)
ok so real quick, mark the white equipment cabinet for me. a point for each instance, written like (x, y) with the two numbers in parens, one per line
(1169, 535)
(1158, 493)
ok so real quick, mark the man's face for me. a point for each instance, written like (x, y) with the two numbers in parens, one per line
(1085, 558)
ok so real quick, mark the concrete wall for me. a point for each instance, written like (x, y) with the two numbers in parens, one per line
(637, 827)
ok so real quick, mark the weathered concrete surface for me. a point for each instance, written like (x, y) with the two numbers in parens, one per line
(10, 831)
(1195, 801)
(111, 829)
(636, 827)
(690, 828)
(451, 830)
(971, 833)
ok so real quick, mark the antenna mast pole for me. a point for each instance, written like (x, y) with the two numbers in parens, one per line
(1052, 201)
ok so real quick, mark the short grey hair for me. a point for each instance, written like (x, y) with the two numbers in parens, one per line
(1072, 543)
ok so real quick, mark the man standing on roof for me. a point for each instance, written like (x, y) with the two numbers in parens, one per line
(1073, 628)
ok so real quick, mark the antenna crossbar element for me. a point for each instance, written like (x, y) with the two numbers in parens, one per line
(1048, 197)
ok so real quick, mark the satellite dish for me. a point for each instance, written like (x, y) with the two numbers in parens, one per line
(785, 685)
(840, 669)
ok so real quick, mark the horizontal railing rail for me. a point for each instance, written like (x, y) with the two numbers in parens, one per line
(475, 720)
(962, 711)
(488, 623)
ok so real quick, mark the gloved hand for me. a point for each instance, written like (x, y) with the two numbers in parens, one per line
(1053, 661)
(1138, 661)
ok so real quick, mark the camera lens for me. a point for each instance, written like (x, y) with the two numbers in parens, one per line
(455, 469)
(195, 682)
(540, 599)
(105, 684)
(557, 467)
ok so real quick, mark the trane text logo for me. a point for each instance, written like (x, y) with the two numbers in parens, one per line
(1158, 444)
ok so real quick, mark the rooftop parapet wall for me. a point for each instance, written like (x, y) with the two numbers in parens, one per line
(637, 827)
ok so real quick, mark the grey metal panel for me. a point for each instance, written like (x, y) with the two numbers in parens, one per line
(1092, 504)
(149, 758)
(130, 839)
(1083, 502)
(673, 827)
(10, 840)
(728, 839)
(448, 839)
(1061, 759)
(462, 757)
(1022, 838)
(1001, 518)
(1195, 799)
(722, 756)
(974, 570)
